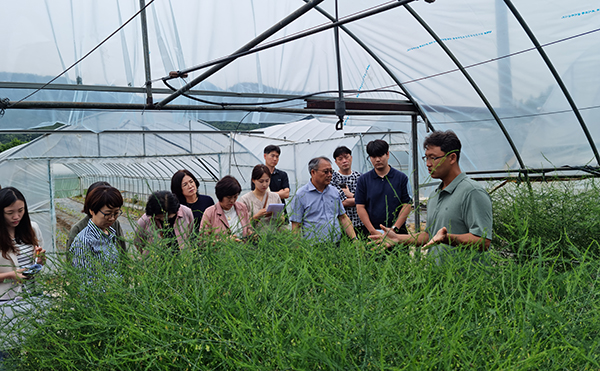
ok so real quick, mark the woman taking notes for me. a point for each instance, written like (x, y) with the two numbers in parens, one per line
(261, 197)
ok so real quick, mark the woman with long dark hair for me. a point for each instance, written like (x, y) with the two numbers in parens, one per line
(184, 185)
(21, 242)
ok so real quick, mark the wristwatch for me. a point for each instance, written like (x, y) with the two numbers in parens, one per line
(396, 230)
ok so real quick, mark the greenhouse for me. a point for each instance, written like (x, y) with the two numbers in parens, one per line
(130, 91)
(515, 80)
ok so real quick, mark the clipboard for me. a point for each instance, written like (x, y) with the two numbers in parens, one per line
(276, 209)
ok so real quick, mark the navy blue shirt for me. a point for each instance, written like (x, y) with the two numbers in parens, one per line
(383, 197)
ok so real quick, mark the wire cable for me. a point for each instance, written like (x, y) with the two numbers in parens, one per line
(88, 53)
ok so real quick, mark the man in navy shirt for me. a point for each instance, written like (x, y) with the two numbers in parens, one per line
(382, 194)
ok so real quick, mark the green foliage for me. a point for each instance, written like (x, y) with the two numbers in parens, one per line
(13, 143)
(564, 216)
(284, 303)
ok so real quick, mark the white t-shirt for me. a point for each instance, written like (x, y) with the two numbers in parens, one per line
(234, 221)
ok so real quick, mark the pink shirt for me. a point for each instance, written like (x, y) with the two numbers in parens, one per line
(184, 226)
(214, 219)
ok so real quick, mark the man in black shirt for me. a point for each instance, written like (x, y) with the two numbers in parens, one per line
(280, 183)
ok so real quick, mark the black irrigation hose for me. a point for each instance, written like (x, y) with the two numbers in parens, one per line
(588, 169)
(284, 100)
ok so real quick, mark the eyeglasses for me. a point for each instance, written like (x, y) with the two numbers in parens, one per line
(113, 215)
(431, 158)
(327, 171)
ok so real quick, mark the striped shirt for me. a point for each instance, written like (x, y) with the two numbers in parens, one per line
(26, 251)
(94, 250)
(337, 180)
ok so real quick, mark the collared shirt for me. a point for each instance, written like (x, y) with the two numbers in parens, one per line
(78, 227)
(94, 250)
(279, 181)
(350, 181)
(463, 206)
(383, 197)
(318, 212)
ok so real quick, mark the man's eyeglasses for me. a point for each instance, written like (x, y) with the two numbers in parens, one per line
(327, 171)
(431, 158)
(113, 215)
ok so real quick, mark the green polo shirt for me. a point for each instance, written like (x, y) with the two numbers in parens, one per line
(463, 206)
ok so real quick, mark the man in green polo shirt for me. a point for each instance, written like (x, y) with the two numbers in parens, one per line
(459, 213)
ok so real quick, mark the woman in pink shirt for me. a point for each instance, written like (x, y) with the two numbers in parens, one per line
(227, 216)
(167, 219)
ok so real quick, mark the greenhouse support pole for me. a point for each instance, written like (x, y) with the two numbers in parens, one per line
(254, 42)
(52, 206)
(230, 150)
(415, 158)
(295, 165)
(149, 100)
(557, 77)
(190, 126)
(340, 105)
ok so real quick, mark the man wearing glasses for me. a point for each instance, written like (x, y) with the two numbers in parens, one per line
(460, 211)
(317, 209)
(383, 196)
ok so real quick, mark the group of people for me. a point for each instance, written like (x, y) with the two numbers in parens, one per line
(175, 216)
(374, 205)
(377, 204)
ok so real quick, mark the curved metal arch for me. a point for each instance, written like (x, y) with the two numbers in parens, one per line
(471, 81)
(381, 63)
(557, 77)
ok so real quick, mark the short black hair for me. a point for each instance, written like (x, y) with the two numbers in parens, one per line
(226, 187)
(272, 148)
(102, 196)
(91, 188)
(161, 203)
(341, 150)
(377, 148)
(446, 140)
